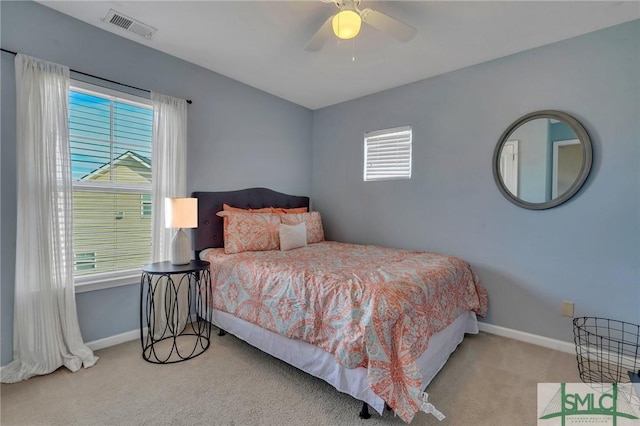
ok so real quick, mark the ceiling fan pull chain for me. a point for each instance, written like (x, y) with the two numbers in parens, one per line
(353, 50)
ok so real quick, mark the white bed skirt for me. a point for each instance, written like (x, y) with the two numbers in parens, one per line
(319, 363)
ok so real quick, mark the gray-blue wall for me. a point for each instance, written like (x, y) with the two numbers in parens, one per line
(586, 250)
(238, 137)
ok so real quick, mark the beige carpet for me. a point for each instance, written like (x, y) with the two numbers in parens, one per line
(489, 380)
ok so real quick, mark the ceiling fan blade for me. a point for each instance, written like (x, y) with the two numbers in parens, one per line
(388, 25)
(320, 37)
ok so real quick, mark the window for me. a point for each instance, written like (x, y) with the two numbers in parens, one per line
(110, 135)
(387, 154)
(84, 261)
(145, 205)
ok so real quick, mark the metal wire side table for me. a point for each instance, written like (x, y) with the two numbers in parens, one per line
(169, 296)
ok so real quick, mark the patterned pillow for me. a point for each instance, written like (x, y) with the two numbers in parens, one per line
(250, 231)
(312, 221)
(227, 207)
(290, 211)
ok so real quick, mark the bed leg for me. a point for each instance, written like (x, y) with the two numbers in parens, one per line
(364, 413)
(221, 332)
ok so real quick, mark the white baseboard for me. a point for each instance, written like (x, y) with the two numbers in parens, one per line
(111, 341)
(546, 342)
(114, 340)
(534, 339)
(123, 337)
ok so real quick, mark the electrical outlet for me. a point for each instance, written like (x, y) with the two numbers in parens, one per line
(567, 309)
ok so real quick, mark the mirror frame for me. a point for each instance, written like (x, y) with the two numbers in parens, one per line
(587, 158)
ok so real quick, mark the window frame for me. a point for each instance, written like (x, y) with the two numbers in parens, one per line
(104, 280)
(387, 133)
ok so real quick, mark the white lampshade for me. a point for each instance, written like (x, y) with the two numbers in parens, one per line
(181, 212)
(346, 24)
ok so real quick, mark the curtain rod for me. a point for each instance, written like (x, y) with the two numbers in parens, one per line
(99, 78)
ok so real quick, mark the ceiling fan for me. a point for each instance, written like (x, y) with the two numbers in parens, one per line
(346, 24)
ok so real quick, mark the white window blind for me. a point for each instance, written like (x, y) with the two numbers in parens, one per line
(387, 154)
(111, 168)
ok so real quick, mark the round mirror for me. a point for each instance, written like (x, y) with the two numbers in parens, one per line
(542, 159)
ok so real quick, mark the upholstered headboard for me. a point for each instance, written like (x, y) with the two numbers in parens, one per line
(209, 232)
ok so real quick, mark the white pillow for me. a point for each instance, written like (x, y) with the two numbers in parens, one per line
(293, 236)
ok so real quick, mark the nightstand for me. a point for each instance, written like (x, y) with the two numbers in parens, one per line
(175, 321)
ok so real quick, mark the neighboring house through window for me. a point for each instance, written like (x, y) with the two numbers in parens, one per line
(110, 134)
(387, 154)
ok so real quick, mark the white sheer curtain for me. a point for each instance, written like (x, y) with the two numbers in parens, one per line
(46, 332)
(169, 179)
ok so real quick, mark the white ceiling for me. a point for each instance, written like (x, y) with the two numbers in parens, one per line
(261, 43)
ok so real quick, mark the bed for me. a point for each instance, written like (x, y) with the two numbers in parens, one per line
(375, 323)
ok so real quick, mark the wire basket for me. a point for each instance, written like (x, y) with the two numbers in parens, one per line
(608, 351)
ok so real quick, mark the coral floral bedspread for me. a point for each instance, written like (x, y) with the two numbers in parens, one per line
(372, 307)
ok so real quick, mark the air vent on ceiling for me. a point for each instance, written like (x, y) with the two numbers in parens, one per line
(129, 24)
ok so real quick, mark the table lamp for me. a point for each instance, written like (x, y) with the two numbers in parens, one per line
(180, 213)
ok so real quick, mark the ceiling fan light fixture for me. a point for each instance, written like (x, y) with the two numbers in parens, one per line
(346, 24)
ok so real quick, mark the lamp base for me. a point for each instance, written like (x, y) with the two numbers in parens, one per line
(180, 252)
